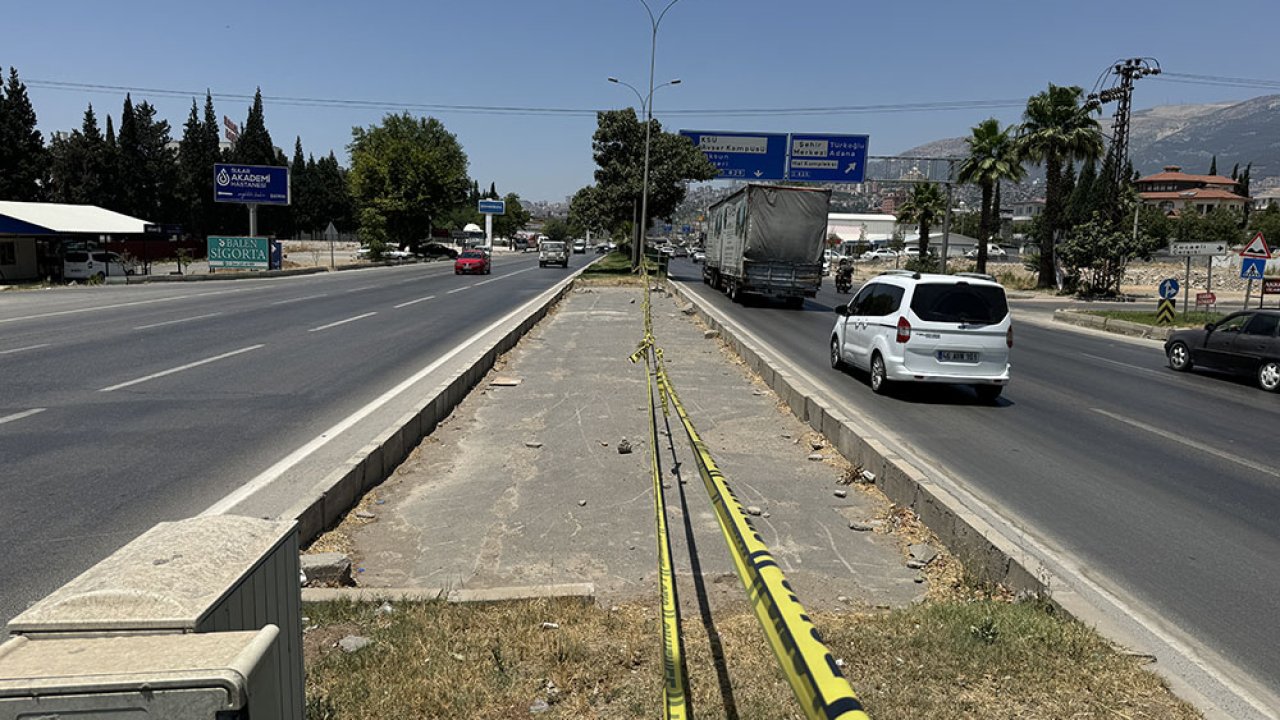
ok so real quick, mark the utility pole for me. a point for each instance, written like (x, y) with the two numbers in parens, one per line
(1122, 94)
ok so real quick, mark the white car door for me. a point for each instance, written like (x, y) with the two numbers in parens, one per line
(856, 341)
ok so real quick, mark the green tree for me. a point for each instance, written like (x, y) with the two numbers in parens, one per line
(333, 201)
(405, 173)
(198, 151)
(618, 149)
(1056, 129)
(146, 163)
(923, 208)
(587, 214)
(24, 160)
(1213, 165)
(556, 229)
(1094, 255)
(1079, 206)
(254, 146)
(1266, 222)
(77, 164)
(993, 157)
(1217, 225)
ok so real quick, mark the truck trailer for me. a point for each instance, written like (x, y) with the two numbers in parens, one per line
(767, 240)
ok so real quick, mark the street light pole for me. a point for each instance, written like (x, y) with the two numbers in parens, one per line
(648, 124)
(647, 113)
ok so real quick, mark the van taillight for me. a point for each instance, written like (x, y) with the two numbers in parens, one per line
(904, 330)
(1008, 336)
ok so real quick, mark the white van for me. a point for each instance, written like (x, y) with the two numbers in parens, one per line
(100, 264)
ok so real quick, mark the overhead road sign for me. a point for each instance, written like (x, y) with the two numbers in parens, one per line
(252, 253)
(1169, 288)
(252, 184)
(1251, 268)
(1257, 248)
(1197, 249)
(493, 207)
(827, 158)
(743, 156)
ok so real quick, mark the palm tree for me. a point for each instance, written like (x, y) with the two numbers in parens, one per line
(993, 157)
(1057, 128)
(923, 206)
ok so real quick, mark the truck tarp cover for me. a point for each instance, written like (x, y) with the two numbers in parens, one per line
(794, 227)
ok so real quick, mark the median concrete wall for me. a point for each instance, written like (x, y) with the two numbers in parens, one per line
(987, 555)
(1120, 327)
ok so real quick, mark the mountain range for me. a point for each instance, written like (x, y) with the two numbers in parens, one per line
(1185, 135)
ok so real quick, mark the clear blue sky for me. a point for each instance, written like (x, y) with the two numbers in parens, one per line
(730, 54)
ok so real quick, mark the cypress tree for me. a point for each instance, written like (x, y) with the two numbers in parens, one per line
(493, 192)
(1213, 165)
(254, 146)
(24, 160)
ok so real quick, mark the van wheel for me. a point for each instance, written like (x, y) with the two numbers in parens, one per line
(879, 378)
(837, 362)
(101, 277)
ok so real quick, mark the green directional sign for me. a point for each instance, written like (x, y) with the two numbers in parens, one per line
(251, 253)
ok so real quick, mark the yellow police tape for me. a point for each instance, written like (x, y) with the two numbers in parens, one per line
(809, 666)
(675, 685)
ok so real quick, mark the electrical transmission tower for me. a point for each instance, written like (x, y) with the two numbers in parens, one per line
(1121, 92)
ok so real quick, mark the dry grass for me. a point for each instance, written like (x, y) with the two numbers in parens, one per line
(940, 660)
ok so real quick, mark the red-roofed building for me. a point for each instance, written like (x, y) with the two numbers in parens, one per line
(1174, 191)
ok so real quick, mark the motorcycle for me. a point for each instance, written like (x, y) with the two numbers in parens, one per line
(844, 280)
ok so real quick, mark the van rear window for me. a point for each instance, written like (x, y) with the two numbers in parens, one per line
(959, 302)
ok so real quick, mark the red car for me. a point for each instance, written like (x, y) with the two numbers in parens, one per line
(471, 261)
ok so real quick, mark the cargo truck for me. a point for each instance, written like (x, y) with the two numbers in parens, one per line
(767, 240)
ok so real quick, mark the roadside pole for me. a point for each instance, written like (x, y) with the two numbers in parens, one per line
(946, 229)
(253, 220)
(1186, 288)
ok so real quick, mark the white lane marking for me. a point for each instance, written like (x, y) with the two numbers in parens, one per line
(269, 475)
(1051, 560)
(19, 416)
(1121, 364)
(362, 287)
(180, 368)
(175, 322)
(414, 302)
(458, 290)
(23, 349)
(342, 322)
(500, 277)
(299, 299)
(1202, 447)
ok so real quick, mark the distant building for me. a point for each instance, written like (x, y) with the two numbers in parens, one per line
(854, 227)
(1025, 210)
(1174, 192)
(1261, 200)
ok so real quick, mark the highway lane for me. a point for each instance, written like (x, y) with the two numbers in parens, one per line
(121, 407)
(1162, 485)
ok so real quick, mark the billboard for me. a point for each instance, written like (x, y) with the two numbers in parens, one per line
(253, 184)
(244, 253)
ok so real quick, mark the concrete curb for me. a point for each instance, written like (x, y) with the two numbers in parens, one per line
(586, 592)
(339, 491)
(986, 553)
(150, 279)
(1119, 327)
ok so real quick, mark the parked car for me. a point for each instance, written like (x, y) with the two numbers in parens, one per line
(398, 254)
(927, 328)
(993, 251)
(87, 264)
(1242, 343)
(472, 262)
(879, 254)
(434, 250)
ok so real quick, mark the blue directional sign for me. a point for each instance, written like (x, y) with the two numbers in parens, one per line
(1251, 268)
(254, 184)
(743, 156)
(493, 207)
(1169, 288)
(828, 158)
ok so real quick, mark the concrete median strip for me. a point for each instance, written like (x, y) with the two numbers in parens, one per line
(586, 592)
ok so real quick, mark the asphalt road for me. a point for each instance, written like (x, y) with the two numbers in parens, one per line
(1163, 487)
(125, 406)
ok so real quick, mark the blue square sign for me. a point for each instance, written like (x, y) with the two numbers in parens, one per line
(1252, 268)
(743, 156)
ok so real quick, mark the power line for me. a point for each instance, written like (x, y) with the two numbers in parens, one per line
(344, 103)
(1219, 80)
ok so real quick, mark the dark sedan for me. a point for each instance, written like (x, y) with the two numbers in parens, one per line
(1244, 343)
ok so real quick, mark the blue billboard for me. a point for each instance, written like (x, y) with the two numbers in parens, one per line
(827, 158)
(253, 184)
(493, 207)
(743, 156)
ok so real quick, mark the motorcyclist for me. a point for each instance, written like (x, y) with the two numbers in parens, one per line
(844, 275)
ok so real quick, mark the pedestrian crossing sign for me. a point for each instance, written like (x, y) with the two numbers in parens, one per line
(1252, 268)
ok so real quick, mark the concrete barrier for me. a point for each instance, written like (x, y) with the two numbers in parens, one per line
(1112, 325)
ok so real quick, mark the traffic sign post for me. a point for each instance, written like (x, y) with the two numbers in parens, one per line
(1169, 288)
(1253, 263)
(827, 158)
(489, 208)
(743, 156)
(1164, 312)
(1197, 249)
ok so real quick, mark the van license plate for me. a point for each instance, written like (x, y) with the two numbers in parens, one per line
(957, 357)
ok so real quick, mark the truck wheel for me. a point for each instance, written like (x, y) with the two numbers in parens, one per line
(734, 295)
